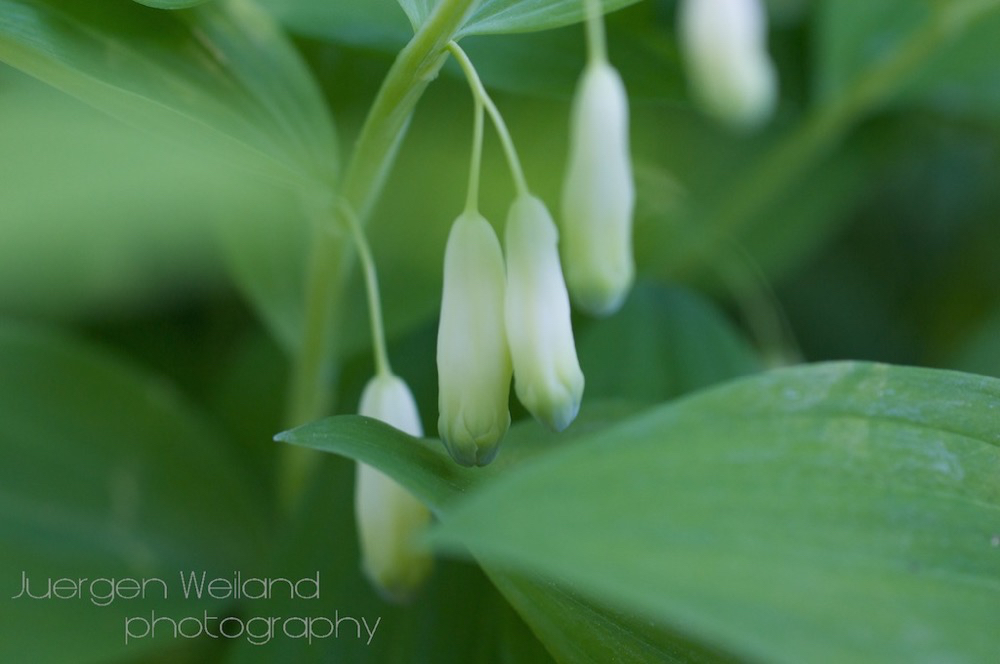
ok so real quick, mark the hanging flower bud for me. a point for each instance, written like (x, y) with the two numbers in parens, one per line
(547, 376)
(725, 49)
(472, 356)
(389, 517)
(598, 194)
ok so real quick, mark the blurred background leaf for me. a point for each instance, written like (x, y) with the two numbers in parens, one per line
(457, 616)
(677, 342)
(957, 40)
(499, 16)
(171, 4)
(222, 67)
(105, 472)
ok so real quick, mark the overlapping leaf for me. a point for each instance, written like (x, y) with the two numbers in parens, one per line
(171, 4)
(220, 74)
(574, 628)
(498, 16)
(105, 473)
(940, 52)
(844, 511)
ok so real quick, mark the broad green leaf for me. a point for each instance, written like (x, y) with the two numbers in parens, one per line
(134, 232)
(935, 53)
(418, 10)
(104, 472)
(573, 628)
(366, 23)
(549, 63)
(837, 512)
(171, 4)
(980, 353)
(456, 617)
(424, 466)
(544, 64)
(497, 16)
(677, 342)
(264, 237)
(220, 74)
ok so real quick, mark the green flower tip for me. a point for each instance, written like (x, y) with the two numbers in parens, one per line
(547, 375)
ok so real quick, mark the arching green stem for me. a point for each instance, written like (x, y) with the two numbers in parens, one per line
(505, 140)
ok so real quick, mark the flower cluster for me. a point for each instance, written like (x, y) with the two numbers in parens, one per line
(500, 318)
(505, 311)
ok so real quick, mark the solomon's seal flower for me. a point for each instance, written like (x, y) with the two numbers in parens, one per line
(547, 376)
(389, 518)
(598, 194)
(725, 49)
(472, 357)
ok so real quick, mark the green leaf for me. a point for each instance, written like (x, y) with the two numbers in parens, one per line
(578, 631)
(980, 352)
(573, 628)
(105, 473)
(417, 10)
(171, 4)
(544, 64)
(838, 512)
(942, 51)
(367, 23)
(264, 236)
(220, 74)
(677, 342)
(456, 617)
(498, 16)
(133, 232)
(549, 64)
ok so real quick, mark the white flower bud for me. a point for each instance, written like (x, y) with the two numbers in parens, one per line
(547, 376)
(725, 49)
(389, 517)
(472, 357)
(598, 194)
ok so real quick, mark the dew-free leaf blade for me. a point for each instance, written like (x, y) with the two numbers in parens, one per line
(498, 16)
(578, 631)
(456, 617)
(832, 512)
(677, 342)
(573, 628)
(105, 473)
(417, 10)
(932, 53)
(171, 4)
(424, 467)
(220, 74)
(367, 23)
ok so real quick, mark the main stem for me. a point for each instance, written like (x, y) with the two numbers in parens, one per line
(315, 367)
